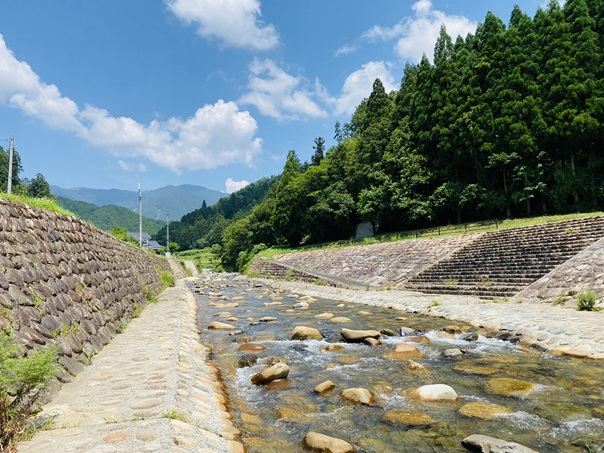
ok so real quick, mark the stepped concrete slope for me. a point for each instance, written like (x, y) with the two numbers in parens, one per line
(379, 265)
(495, 264)
(502, 263)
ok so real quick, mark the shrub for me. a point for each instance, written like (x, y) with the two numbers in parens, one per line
(586, 300)
(21, 381)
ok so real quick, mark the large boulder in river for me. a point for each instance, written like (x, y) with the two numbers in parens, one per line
(435, 392)
(326, 444)
(277, 371)
(358, 336)
(358, 396)
(484, 411)
(306, 333)
(509, 387)
(487, 444)
(403, 351)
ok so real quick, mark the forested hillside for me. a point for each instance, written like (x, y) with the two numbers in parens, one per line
(110, 216)
(204, 227)
(507, 122)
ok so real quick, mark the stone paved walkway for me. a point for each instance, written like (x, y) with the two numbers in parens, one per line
(149, 390)
(560, 329)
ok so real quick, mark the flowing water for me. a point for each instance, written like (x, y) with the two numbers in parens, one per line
(561, 411)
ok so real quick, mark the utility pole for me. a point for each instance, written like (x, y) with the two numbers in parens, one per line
(167, 235)
(140, 216)
(11, 144)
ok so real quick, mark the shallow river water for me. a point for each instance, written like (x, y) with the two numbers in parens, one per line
(558, 407)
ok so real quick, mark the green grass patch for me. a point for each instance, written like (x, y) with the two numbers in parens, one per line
(202, 258)
(44, 203)
(586, 301)
(167, 279)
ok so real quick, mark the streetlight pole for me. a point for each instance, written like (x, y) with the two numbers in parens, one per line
(140, 216)
(167, 235)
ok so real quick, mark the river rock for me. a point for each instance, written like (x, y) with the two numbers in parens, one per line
(332, 348)
(358, 396)
(324, 387)
(267, 319)
(306, 333)
(509, 387)
(223, 314)
(221, 326)
(308, 299)
(252, 348)
(435, 392)
(363, 313)
(474, 369)
(372, 342)
(403, 351)
(482, 410)
(452, 352)
(302, 305)
(323, 443)
(487, 444)
(419, 340)
(408, 417)
(405, 331)
(357, 336)
(340, 320)
(416, 367)
(388, 332)
(277, 371)
(452, 329)
(324, 316)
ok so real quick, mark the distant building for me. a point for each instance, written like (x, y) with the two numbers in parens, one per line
(147, 242)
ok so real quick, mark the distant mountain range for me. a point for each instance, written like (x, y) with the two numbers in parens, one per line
(174, 200)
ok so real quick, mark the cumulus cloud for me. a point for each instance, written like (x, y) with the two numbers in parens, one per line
(234, 186)
(216, 135)
(234, 23)
(280, 95)
(138, 167)
(359, 84)
(417, 35)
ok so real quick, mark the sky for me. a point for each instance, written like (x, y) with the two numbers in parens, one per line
(109, 93)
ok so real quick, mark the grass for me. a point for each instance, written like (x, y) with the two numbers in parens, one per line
(44, 203)
(446, 230)
(174, 415)
(203, 258)
(167, 279)
(586, 301)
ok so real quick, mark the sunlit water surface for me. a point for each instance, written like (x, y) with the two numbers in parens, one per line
(559, 415)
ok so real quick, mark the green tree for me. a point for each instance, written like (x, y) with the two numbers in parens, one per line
(39, 188)
(17, 168)
(319, 153)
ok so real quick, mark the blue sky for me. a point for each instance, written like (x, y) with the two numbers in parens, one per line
(107, 93)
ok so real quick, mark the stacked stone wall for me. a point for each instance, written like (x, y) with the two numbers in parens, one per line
(66, 283)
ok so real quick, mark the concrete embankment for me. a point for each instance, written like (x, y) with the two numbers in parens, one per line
(554, 328)
(151, 389)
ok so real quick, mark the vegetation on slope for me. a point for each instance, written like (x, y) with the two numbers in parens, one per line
(110, 216)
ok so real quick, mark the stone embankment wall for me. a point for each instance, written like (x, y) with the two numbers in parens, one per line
(583, 272)
(379, 265)
(64, 282)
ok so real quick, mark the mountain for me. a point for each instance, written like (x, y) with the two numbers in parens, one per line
(109, 216)
(174, 200)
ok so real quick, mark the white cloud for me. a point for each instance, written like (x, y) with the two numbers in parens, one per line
(359, 85)
(234, 22)
(277, 94)
(234, 186)
(417, 35)
(139, 167)
(346, 50)
(216, 135)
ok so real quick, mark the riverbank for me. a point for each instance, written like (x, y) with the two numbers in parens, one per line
(151, 389)
(555, 328)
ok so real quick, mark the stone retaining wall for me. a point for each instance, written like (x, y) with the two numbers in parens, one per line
(64, 282)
